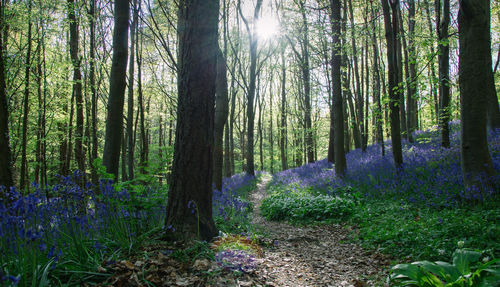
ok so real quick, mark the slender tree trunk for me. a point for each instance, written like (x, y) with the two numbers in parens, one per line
(6, 177)
(114, 123)
(77, 84)
(24, 163)
(443, 20)
(283, 127)
(475, 80)
(391, 30)
(376, 91)
(221, 111)
(130, 97)
(189, 207)
(306, 75)
(93, 89)
(359, 122)
(431, 66)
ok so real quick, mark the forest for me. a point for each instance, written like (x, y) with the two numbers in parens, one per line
(250, 143)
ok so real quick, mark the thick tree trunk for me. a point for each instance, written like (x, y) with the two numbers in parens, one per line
(391, 30)
(6, 177)
(24, 163)
(443, 20)
(475, 80)
(337, 101)
(114, 122)
(221, 111)
(189, 208)
(142, 118)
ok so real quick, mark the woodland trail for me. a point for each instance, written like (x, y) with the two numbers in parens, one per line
(312, 255)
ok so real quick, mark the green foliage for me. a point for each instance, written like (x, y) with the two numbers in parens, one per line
(301, 205)
(466, 270)
(418, 233)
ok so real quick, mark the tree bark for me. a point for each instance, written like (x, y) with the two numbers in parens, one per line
(337, 101)
(6, 177)
(391, 30)
(283, 125)
(130, 96)
(221, 111)
(114, 122)
(24, 163)
(443, 20)
(189, 207)
(475, 80)
(77, 85)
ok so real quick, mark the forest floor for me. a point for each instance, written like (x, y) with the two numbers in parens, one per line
(317, 255)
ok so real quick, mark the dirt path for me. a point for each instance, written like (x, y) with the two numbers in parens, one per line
(312, 256)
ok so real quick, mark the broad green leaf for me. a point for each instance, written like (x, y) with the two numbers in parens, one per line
(462, 258)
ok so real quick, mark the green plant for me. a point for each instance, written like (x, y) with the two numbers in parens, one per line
(301, 205)
(466, 270)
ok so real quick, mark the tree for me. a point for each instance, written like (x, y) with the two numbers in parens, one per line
(6, 178)
(114, 122)
(338, 110)
(77, 84)
(443, 21)
(221, 111)
(475, 76)
(189, 207)
(391, 30)
(130, 100)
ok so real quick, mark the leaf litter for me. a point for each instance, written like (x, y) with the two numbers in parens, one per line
(289, 256)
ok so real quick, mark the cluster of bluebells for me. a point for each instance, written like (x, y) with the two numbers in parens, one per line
(227, 202)
(236, 260)
(38, 224)
(431, 175)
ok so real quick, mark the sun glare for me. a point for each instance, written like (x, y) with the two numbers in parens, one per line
(267, 28)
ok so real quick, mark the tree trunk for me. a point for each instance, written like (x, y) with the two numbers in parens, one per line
(379, 138)
(306, 74)
(142, 119)
(443, 20)
(221, 111)
(130, 96)
(283, 128)
(359, 122)
(391, 31)
(77, 85)
(93, 88)
(189, 208)
(6, 177)
(114, 122)
(337, 101)
(475, 80)
(431, 65)
(24, 163)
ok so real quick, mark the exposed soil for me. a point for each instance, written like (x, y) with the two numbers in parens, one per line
(296, 256)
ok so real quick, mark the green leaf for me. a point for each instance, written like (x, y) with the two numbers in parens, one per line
(462, 258)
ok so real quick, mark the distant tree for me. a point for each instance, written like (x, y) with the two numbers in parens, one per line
(475, 76)
(6, 178)
(117, 84)
(189, 207)
(391, 30)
